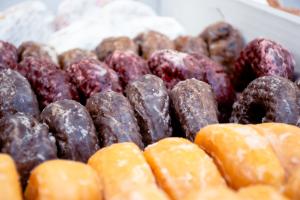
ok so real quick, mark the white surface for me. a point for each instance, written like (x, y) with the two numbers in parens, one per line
(252, 19)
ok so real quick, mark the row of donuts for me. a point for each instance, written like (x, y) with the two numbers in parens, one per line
(68, 130)
(125, 57)
(143, 118)
(227, 161)
(229, 66)
(257, 103)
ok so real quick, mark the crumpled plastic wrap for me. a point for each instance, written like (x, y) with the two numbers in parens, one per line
(82, 23)
(29, 20)
(166, 25)
(123, 11)
(70, 11)
(84, 34)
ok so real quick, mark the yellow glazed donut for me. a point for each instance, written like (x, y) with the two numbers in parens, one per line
(242, 154)
(62, 180)
(10, 188)
(217, 193)
(122, 168)
(181, 167)
(285, 141)
(260, 192)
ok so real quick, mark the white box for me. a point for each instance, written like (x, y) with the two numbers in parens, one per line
(252, 19)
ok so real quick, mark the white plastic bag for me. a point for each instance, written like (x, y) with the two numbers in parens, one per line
(29, 20)
(166, 25)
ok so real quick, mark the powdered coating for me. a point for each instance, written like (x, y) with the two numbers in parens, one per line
(91, 76)
(173, 66)
(114, 118)
(268, 99)
(27, 141)
(194, 105)
(111, 44)
(262, 57)
(150, 101)
(16, 95)
(151, 41)
(128, 66)
(73, 129)
(48, 82)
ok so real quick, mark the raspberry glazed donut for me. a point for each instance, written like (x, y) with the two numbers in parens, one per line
(173, 66)
(92, 76)
(128, 66)
(262, 57)
(8, 55)
(268, 99)
(49, 83)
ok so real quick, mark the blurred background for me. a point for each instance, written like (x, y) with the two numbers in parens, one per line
(153, 3)
(66, 24)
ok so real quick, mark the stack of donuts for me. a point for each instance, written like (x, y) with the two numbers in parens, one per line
(58, 112)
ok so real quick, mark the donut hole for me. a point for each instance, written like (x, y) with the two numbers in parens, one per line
(256, 113)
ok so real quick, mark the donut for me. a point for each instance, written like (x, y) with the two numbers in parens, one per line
(262, 57)
(267, 99)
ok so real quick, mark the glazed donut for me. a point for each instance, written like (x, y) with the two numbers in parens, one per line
(224, 43)
(268, 99)
(111, 44)
(151, 41)
(67, 58)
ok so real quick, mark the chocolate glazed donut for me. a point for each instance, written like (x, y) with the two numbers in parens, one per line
(268, 99)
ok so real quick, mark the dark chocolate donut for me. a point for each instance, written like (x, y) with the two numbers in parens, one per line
(16, 95)
(224, 43)
(150, 101)
(114, 118)
(73, 128)
(27, 141)
(268, 99)
(194, 106)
